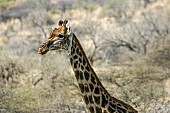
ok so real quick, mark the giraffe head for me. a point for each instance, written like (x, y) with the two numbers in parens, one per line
(58, 38)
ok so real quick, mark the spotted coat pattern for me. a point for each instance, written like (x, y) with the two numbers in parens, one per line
(95, 96)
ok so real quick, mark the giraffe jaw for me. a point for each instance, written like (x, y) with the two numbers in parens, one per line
(53, 45)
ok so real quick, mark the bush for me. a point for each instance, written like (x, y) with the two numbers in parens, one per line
(161, 57)
(9, 71)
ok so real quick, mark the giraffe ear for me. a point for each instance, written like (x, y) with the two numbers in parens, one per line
(69, 30)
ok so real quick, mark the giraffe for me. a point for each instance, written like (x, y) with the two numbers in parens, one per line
(95, 96)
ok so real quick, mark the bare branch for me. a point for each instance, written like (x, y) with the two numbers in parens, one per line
(42, 29)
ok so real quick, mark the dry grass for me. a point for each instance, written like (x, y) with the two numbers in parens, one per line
(32, 83)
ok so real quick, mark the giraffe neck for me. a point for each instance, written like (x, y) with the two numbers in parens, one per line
(96, 98)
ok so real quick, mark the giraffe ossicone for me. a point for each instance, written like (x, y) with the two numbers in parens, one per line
(95, 96)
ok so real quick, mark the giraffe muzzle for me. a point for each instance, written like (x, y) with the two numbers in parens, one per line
(42, 51)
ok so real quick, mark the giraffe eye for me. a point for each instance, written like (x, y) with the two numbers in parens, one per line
(60, 36)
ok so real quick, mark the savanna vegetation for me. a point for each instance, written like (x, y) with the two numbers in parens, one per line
(126, 41)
